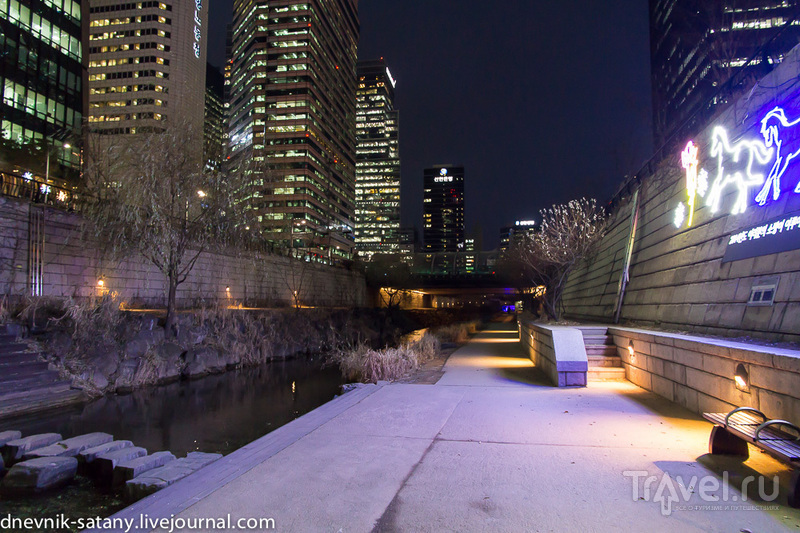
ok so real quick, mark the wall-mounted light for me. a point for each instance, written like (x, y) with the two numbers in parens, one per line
(742, 378)
(630, 349)
(101, 282)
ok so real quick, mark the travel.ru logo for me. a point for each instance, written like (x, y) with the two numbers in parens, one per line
(675, 493)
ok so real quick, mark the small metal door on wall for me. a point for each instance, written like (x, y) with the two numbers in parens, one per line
(36, 250)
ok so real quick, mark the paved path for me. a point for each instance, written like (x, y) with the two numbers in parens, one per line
(490, 447)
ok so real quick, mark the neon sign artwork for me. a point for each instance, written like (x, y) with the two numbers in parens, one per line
(721, 147)
(771, 127)
(198, 5)
(741, 165)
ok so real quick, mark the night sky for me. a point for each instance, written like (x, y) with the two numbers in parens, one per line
(542, 101)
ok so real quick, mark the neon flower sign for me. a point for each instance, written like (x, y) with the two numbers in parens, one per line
(741, 165)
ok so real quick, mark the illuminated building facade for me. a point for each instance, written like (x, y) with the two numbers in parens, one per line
(697, 45)
(377, 161)
(147, 64)
(293, 92)
(443, 208)
(43, 76)
(214, 127)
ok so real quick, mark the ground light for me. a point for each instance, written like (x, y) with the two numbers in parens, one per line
(742, 378)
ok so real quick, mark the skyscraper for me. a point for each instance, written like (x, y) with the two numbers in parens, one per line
(43, 76)
(443, 208)
(377, 161)
(697, 45)
(214, 127)
(147, 64)
(293, 87)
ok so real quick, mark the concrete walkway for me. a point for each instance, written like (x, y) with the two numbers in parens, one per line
(490, 447)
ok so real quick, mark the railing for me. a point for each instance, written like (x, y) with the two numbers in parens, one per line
(36, 190)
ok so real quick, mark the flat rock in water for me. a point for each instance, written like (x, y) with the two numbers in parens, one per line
(127, 470)
(38, 475)
(6, 436)
(13, 450)
(70, 447)
(103, 465)
(89, 455)
(158, 478)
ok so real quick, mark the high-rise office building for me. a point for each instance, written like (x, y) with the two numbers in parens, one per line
(696, 46)
(43, 76)
(377, 161)
(147, 65)
(293, 91)
(214, 128)
(443, 208)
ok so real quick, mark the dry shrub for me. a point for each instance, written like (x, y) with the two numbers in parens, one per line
(370, 366)
(457, 333)
(364, 364)
(426, 347)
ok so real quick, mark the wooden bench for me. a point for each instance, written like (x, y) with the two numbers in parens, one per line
(732, 431)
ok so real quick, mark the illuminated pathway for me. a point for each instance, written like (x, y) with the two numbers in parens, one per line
(490, 447)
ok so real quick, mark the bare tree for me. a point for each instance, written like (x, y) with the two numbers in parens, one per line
(568, 233)
(389, 275)
(151, 193)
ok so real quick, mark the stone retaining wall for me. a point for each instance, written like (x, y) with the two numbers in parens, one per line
(558, 351)
(678, 279)
(698, 373)
(73, 266)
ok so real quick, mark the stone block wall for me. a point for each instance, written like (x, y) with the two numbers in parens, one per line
(73, 265)
(557, 351)
(678, 279)
(698, 373)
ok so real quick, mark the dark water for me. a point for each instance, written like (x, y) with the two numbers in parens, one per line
(218, 413)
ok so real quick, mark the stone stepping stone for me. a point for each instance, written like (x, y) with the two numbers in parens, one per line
(127, 470)
(38, 475)
(102, 468)
(13, 450)
(87, 456)
(6, 436)
(164, 476)
(70, 447)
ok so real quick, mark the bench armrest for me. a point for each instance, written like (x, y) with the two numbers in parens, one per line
(745, 409)
(777, 423)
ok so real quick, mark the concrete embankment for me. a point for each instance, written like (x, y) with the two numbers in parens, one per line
(491, 446)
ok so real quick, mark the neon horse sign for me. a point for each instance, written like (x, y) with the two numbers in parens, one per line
(739, 164)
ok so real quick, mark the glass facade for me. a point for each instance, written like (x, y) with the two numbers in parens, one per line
(377, 161)
(697, 45)
(292, 107)
(42, 76)
(443, 209)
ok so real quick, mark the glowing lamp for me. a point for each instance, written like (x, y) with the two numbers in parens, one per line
(630, 349)
(100, 282)
(742, 378)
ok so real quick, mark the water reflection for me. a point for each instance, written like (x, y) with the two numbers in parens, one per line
(215, 414)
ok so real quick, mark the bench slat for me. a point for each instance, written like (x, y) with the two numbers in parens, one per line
(742, 424)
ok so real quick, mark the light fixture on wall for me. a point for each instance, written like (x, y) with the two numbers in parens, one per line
(631, 352)
(742, 378)
(101, 282)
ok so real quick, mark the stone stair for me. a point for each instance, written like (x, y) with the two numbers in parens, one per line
(604, 363)
(26, 383)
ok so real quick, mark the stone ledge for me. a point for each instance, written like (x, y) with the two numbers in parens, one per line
(558, 351)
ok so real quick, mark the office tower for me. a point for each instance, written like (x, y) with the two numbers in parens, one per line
(697, 45)
(293, 92)
(43, 78)
(443, 208)
(214, 128)
(147, 65)
(377, 161)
